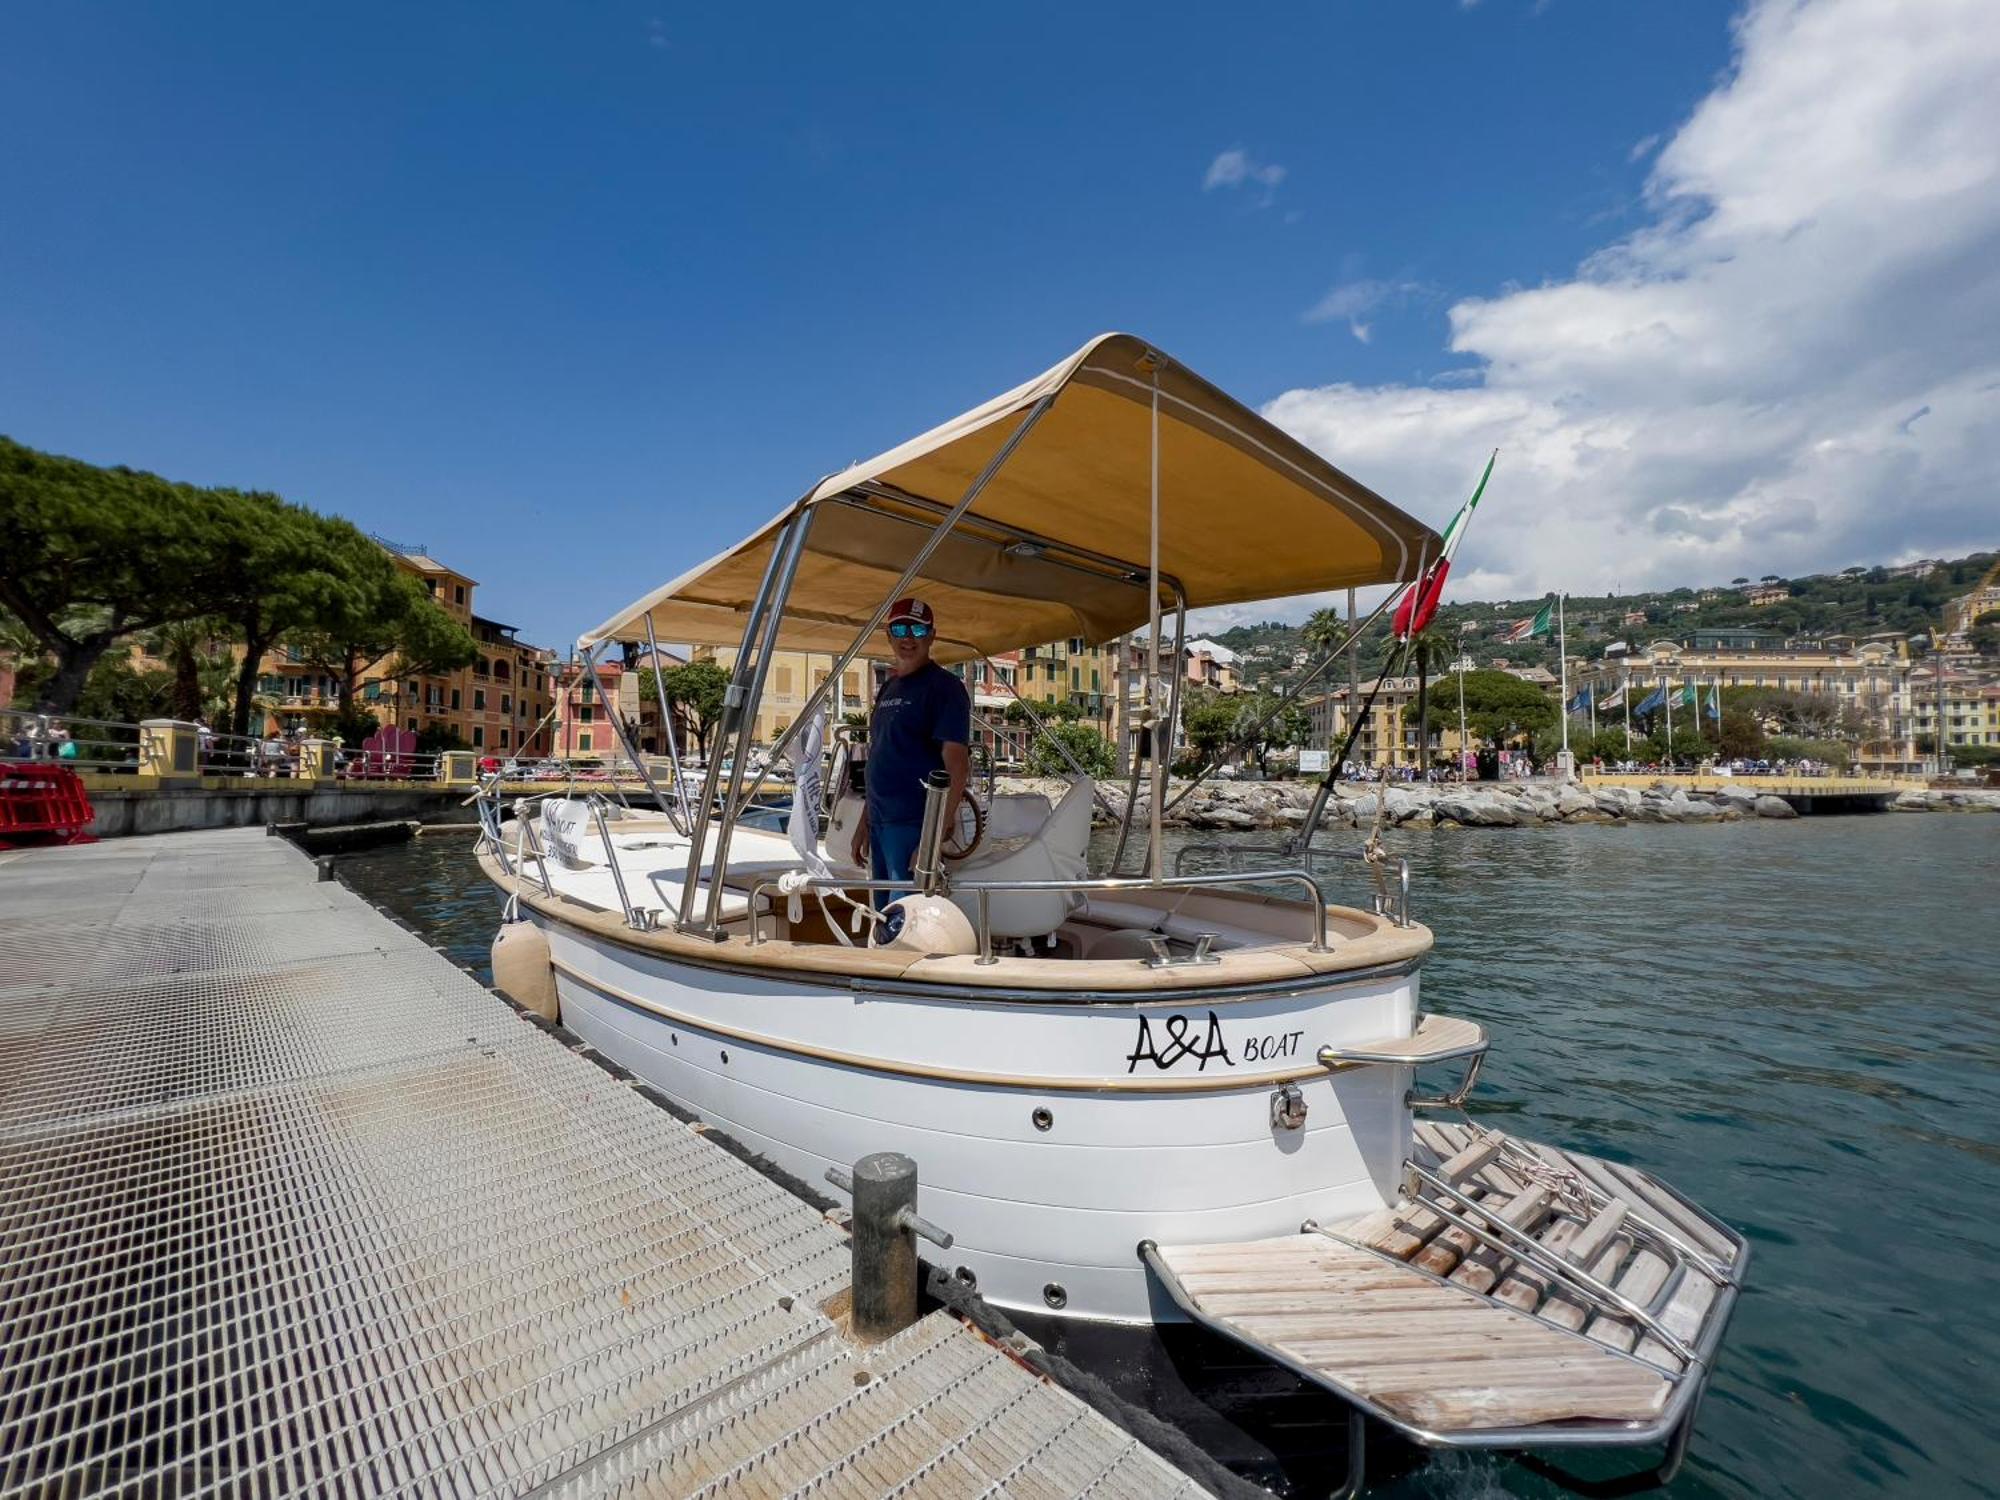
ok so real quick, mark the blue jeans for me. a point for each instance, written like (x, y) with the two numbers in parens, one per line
(892, 848)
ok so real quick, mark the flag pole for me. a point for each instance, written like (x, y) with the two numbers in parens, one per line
(1667, 685)
(1562, 665)
(1462, 747)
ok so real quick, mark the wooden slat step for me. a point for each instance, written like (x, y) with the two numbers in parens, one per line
(1683, 1316)
(1567, 1310)
(1597, 1233)
(1432, 1354)
(1471, 1159)
(1523, 1286)
(1523, 1212)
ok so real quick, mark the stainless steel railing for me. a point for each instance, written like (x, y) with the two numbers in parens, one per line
(1391, 896)
(982, 889)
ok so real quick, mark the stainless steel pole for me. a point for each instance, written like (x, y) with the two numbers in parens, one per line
(936, 539)
(733, 800)
(1172, 726)
(1562, 661)
(1462, 742)
(704, 811)
(1159, 777)
(625, 742)
(667, 725)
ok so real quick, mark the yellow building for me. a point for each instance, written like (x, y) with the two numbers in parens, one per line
(493, 705)
(1871, 678)
(1971, 708)
(1384, 734)
(1073, 672)
(793, 677)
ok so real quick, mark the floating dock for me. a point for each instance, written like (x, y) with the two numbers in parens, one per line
(294, 1205)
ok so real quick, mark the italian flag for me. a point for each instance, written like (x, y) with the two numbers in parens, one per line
(1542, 624)
(1415, 612)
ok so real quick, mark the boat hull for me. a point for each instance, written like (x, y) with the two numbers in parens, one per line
(1052, 1134)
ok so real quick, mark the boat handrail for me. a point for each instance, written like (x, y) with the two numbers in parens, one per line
(1396, 910)
(983, 888)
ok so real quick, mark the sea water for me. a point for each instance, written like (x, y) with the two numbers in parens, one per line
(1795, 1023)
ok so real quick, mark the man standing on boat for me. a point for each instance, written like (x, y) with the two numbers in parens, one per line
(922, 723)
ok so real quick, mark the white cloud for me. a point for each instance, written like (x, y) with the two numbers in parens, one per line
(1729, 389)
(1350, 299)
(1237, 168)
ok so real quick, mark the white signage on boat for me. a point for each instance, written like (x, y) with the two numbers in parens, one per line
(562, 829)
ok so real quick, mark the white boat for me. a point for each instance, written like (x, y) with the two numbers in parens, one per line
(1132, 1095)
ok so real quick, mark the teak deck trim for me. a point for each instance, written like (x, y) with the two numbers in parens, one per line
(1385, 949)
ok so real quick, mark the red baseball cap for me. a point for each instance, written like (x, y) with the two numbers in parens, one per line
(911, 609)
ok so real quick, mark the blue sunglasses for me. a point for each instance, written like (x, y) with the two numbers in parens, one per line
(909, 630)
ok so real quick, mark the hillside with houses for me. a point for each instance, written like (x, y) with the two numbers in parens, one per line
(1909, 599)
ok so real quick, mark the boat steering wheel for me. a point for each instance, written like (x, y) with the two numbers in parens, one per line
(968, 827)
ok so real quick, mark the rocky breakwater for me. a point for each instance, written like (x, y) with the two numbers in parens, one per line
(1947, 799)
(1246, 806)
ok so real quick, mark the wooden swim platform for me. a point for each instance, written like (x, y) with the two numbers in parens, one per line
(1516, 1296)
(294, 1205)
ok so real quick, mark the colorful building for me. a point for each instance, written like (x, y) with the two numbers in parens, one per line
(1871, 678)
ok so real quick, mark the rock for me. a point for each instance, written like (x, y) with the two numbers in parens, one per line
(1775, 807)
(1574, 800)
(1615, 800)
(1477, 811)
(1689, 810)
(1225, 817)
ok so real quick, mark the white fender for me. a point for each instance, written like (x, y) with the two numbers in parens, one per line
(522, 970)
(927, 924)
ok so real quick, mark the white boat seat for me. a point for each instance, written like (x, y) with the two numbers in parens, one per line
(1027, 839)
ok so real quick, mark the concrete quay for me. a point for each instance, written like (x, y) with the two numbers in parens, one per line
(294, 1205)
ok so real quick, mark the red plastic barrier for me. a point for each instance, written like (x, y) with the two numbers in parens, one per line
(44, 804)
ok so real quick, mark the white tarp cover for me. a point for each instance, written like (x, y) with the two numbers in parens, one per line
(1246, 512)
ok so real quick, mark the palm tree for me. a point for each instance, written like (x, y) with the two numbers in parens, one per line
(1323, 629)
(204, 678)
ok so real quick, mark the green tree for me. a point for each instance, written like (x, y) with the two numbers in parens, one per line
(1742, 734)
(1209, 721)
(115, 690)
(1060, 710)
(696, 690)
(372, 615)
(204, 672)
(1323, 630)
(1261, 726)
(90, 557)
(1086, 746)
(1498, 707)
(438, 738)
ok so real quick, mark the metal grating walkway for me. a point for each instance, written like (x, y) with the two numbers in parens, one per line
(288, 1203)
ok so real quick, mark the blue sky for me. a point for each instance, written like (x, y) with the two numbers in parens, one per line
(576, 295)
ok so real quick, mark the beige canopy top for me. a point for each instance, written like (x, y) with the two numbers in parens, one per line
(1056, 544)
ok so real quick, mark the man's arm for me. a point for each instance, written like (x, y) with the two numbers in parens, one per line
(958, 766)
(954, 732)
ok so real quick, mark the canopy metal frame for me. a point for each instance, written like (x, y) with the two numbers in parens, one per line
(717, 811)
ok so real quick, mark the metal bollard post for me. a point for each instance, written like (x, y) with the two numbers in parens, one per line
(883, 1241)
(325, 865)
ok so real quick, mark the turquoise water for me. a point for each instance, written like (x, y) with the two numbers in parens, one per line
(1796, 1023)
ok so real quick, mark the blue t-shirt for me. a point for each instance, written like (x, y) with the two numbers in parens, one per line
(915, 718)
